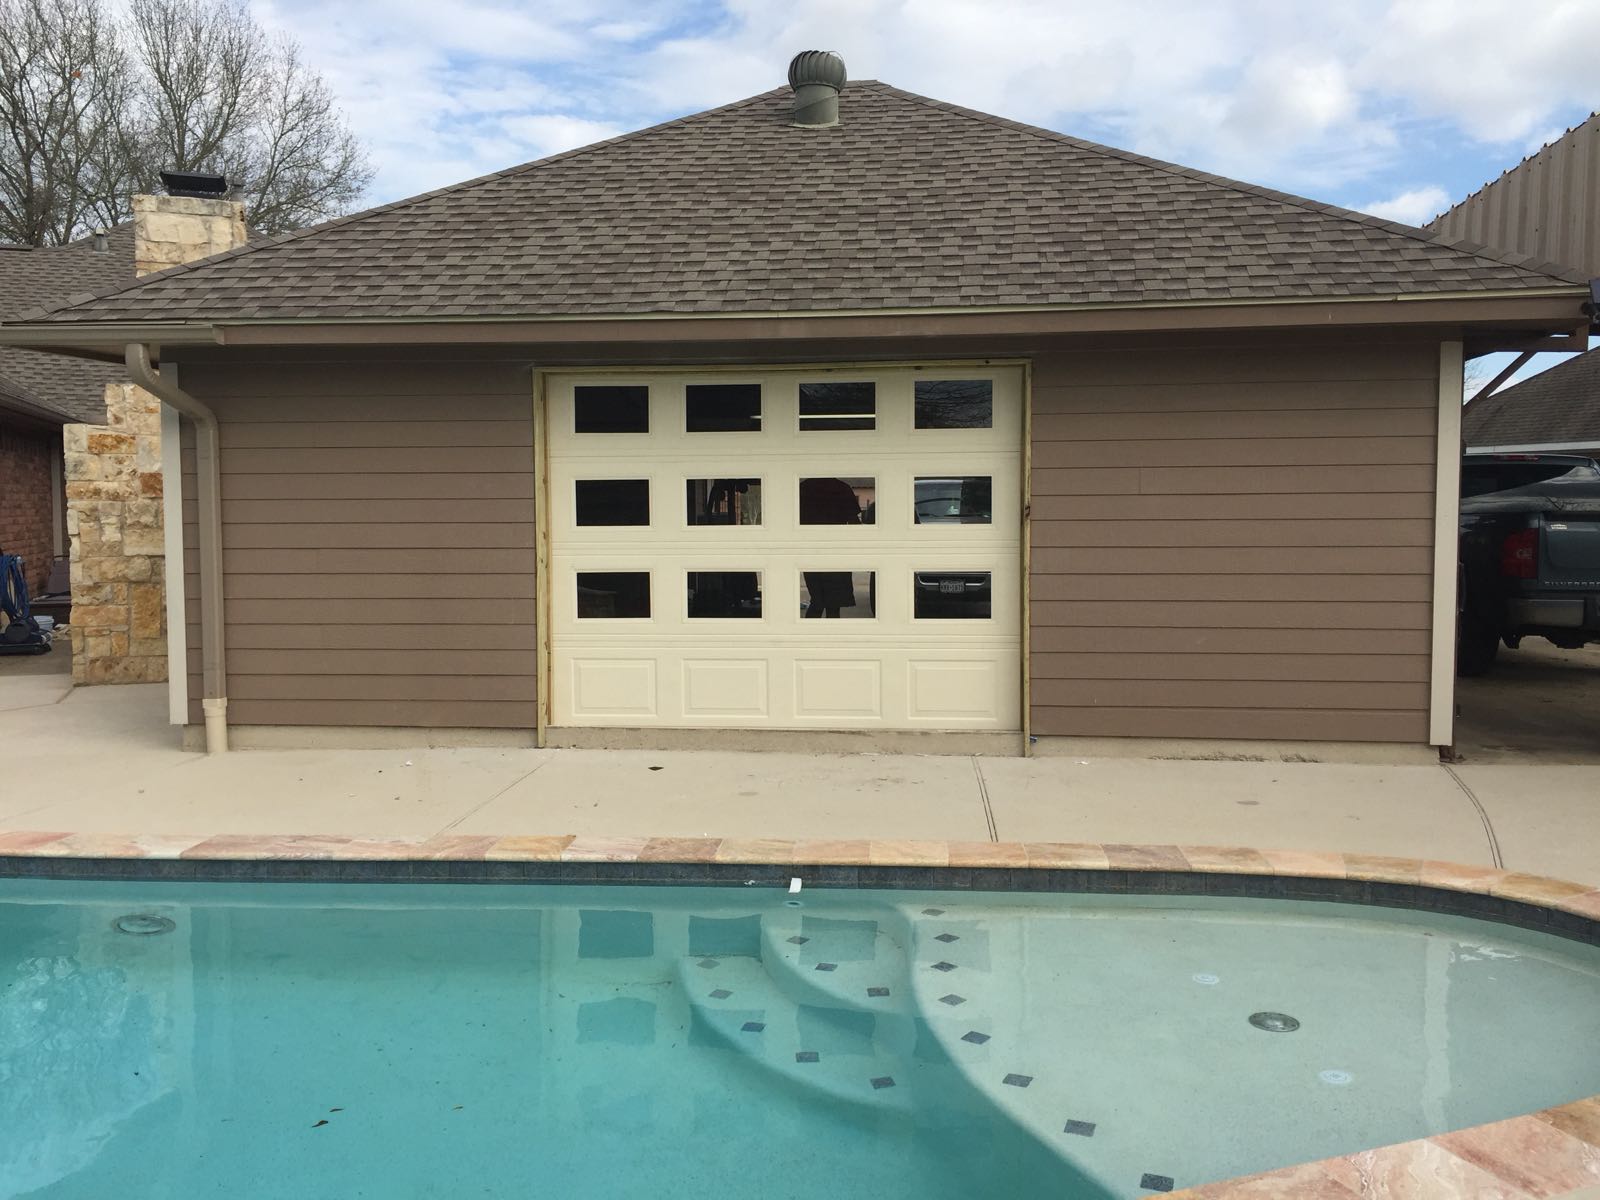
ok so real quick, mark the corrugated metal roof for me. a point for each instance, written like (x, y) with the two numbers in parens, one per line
(1547, 206)
(908, 203)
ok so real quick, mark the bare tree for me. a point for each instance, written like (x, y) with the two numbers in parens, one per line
(192, 85)
(63, 82)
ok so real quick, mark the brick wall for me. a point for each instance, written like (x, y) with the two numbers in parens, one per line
(25, 508)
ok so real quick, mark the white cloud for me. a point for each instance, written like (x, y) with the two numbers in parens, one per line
(1415, 207)
(542, 134)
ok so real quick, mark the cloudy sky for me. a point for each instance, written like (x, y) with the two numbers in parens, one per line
(1394, 107)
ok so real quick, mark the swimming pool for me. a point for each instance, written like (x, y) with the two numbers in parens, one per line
(391, 1040)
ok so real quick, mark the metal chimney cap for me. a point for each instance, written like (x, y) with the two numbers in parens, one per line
(194, 183)
(817, 67)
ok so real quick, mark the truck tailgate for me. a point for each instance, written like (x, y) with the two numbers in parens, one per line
(1572, 549)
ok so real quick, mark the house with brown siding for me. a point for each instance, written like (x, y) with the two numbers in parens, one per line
(835, 416)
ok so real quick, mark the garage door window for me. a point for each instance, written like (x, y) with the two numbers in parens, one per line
(603, 409)
(850, 594)
(722, 408)
(825, 406)
(830, 500)
(954, 500)
(725, 594)
(954, 404)
(603, 594)
(612, 501)
(723, 501)
(952, 595)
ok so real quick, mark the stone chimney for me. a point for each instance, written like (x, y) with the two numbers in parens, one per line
(115, 495)
(193, 220)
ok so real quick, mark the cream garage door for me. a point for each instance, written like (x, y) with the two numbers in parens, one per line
(824, 549)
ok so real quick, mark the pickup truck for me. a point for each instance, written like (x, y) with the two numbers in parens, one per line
(1529, 561)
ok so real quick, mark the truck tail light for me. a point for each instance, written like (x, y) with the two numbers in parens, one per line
(1519, 555)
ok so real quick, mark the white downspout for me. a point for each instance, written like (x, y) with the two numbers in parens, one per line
(209, 497)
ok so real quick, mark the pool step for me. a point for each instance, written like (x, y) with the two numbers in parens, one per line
(845, 1054)
(835, 962)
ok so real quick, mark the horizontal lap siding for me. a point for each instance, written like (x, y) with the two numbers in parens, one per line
(378, 543)
(1233, 543)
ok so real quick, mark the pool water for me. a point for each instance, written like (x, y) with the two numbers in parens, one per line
(321, 1040)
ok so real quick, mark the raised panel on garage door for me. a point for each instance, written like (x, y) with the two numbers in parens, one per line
(786, 548)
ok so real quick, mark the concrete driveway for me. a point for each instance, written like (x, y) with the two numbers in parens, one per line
(1537, 704)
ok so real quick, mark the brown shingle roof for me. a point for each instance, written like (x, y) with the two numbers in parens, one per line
(1559, 407)
(907, 203)
(35, 276)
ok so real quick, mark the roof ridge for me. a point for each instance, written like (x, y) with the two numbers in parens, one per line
(1428, 236)
(268, 243)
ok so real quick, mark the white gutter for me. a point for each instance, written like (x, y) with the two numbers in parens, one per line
(1571, 446)
(209, 494)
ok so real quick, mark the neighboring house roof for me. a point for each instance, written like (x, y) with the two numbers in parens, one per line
(1548, 205)
(31, 276)
(1558, 407)
(908, 203)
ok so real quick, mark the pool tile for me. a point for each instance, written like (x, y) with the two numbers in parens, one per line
(752, 1027)
(826, 966)
(1527, 1153)
(1305, 863)
(1019, 1081)
(987, 854)
(529, 849)
(456, 847)
(952, 999)
(1535, 889)
(156, 846)
(947, 937)
(933, 912)
(1155, 1183)
(603, 849)
(680, 850)
(882, 1081)
(877, 991)
(720, 993)
(1458, 876)
(27, 843)
(1079, 1128)
(806, 1056)
(1121, 857)
(944, 966)
(248, 847)
(797, 940)
(777, 851)
(1087, 856)
(708, 963)
(834, 853)
(910, 854)
(1580, 1119)
(1382, 867)
(1213, 859)
(976, 1038)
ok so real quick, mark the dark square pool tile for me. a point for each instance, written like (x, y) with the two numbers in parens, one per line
(804, 1056)
(877, 991)
(826, 967)
(944, 966)
(933, 912)
(1081, 1128)
(1016, 1080)
(948, 937)
(952, 999)
(708, 963)
(976, 1038)
(721, 994)
(753, 1026)
(882, 1082)
(1155, 1183)
(797, 940)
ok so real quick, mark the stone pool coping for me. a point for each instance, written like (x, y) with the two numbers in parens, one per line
(1550, 1153)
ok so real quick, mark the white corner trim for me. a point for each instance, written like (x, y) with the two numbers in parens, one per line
(172, 539)
(1446, 522)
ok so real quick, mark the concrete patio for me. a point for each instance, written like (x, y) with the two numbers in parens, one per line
(104, 760)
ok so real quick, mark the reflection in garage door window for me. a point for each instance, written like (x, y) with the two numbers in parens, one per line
(951, 595)
(838, 501)
(609, 409)
(724, 501)
(838, 593)
(725, 594)
(954, 500)
(955, 404)
(613, 594)
(722, 408)
(838, 406)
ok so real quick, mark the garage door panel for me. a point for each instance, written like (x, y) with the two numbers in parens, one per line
(891, 513)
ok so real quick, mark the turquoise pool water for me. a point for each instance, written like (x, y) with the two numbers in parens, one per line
(307, 1041)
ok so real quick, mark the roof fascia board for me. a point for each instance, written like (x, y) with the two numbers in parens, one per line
(1570, 446)
(50, 336)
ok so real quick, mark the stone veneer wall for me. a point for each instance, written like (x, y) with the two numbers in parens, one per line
(114, 519)
(113, 473)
